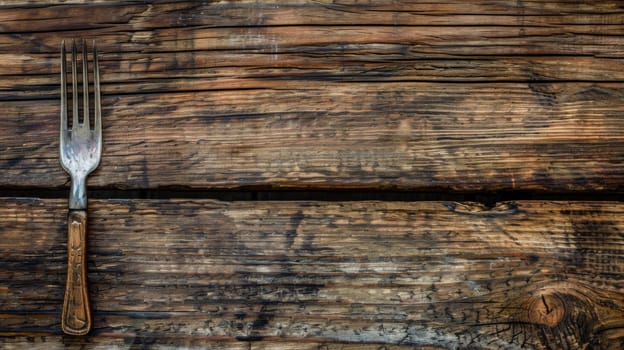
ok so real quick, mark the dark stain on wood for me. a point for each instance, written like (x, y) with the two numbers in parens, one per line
(295, 221)
(594, 242)
(480, 209)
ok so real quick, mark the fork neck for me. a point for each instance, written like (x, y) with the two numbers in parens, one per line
(78, 194)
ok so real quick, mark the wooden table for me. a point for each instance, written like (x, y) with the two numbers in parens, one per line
(320, 175)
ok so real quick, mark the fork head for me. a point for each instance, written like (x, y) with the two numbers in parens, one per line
(80, 146)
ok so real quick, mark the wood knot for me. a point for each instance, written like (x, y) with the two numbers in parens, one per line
(546, 309)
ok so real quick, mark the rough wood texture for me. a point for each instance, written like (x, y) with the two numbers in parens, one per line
(110, 342)
(414, 95)
(444, 95)
(449, 275)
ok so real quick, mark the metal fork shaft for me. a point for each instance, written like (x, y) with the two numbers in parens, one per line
(78, 193)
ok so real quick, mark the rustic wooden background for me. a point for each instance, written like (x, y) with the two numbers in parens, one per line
(518, 99)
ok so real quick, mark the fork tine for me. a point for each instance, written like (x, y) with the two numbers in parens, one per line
(74, 88)
(63, 92)
(97, 108)
(85, 85)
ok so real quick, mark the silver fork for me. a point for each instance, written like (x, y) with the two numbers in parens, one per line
(80, 149)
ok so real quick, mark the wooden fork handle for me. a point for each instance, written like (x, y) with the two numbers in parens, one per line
(76, 318)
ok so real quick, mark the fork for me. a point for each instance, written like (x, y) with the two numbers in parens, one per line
(80, 152)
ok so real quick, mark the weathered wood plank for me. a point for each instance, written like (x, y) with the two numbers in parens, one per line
(227, 70)
(519, 274)
(315, 41)
(333, 53)
(318, 95)
(166, 14)
(321, 135)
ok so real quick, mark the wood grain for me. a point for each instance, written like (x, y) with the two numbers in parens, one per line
(516, 275)
(433, 96)
(112, 342)
(322, 135)
(447, 95)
